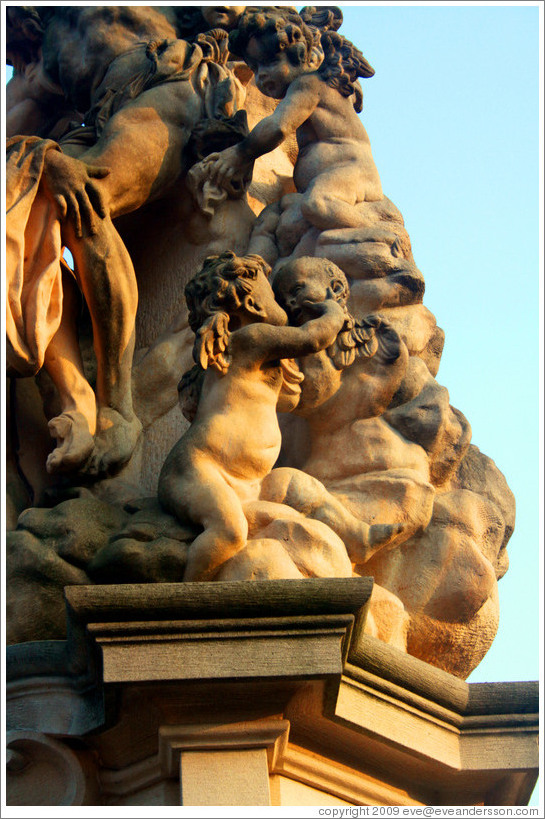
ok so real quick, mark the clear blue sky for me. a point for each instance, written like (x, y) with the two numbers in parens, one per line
(453, 117)
(452, 113)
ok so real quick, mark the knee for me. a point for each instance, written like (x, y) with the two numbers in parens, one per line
(316, 207)
(234, 533)
(294, 488)
(277, 485)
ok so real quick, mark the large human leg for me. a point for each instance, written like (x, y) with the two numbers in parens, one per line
(106, 276)
(75, 426)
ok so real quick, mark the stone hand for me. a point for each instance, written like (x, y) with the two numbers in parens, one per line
(230, 167)
(320, 308)
(71, 185)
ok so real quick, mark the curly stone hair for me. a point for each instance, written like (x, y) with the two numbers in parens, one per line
(322, 17)
(279, 28)
(342, 65)
(220, 286)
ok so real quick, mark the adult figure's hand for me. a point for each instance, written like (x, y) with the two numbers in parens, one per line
(72, 186)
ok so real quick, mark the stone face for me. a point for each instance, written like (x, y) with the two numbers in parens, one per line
(239, 375)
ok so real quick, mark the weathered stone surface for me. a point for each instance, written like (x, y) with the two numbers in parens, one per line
(334, 716)
(478, 473)
(50, 549)
(46, 771)
(196, 147)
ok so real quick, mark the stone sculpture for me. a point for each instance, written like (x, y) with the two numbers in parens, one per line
(234, 439)
(315, 79)
(150, 83)
(190, 174)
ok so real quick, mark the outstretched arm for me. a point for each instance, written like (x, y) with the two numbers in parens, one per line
(300, 102)
(258, 343)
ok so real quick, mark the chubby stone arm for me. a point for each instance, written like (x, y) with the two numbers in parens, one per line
(263, 236)
(301, 100)
(297, 106)
(258, 343)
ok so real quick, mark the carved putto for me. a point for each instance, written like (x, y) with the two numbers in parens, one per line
(232, 374)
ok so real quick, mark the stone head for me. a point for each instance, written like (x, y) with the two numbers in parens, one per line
(309, 280)
(222, 16)
(277, 45)
(236, 285)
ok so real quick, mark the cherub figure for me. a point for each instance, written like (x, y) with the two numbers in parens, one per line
(347, 387)
(316, 80)
(234, 440)
(301, 283)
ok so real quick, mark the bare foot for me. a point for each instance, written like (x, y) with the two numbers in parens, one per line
(115, 439)
(74, 442)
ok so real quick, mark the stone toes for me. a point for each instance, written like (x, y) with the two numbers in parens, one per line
(53, 462)
(59, 427)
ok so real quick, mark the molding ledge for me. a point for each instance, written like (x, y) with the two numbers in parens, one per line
(339, 780)
(277, 673)
(272, 735)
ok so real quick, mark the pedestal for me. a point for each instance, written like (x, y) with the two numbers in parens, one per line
(253, 693)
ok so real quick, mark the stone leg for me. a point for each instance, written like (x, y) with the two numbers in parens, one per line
(310, 497)
(75, 426)
(106, 276)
